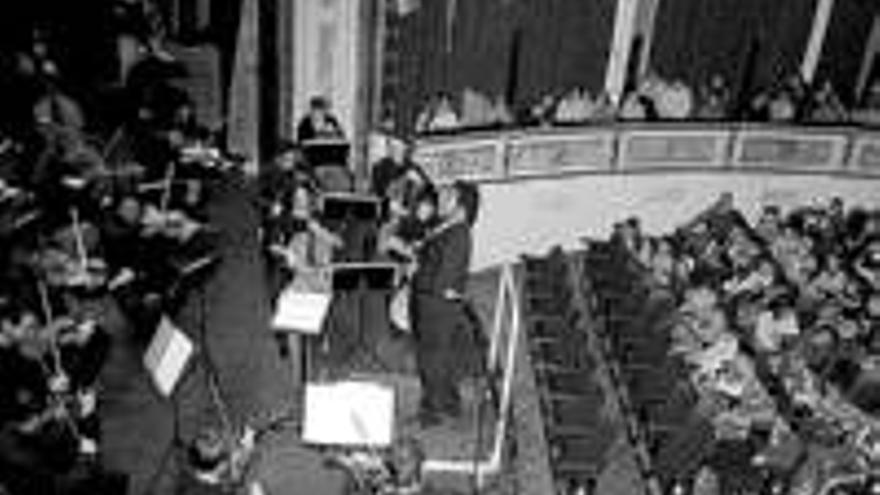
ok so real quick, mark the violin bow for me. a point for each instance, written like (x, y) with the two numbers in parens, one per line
(56, 360)
(49, 318)
(81, 251)
(171, 171)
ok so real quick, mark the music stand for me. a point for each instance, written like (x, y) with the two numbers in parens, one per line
(321, 152)
(168, 356)
(343, 206)
(357, 279)
(299, 315)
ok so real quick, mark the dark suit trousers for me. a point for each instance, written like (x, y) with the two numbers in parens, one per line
(437, 322)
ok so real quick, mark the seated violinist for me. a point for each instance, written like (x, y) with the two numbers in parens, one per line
(83, 348)
(38, 436)
(302, 242)
(23, 388)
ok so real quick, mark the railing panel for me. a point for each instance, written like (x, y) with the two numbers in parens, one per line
(645, 148)
(579, 150)
(865, 156)
(470, 159)
(790, 149)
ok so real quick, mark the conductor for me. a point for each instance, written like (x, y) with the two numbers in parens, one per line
(438, 312)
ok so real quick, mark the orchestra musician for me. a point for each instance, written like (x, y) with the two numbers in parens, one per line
(438, 311)
(399, 239)
(319, 123)
(301, 241)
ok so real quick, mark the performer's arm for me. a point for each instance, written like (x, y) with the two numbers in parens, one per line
(324, 234)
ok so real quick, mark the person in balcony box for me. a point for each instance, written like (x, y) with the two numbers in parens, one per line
(714, 99)
(444, 118)
(438, 312)
(476, 109)
(675, 101)
(501, 114)
(826, 105)
(319, 123)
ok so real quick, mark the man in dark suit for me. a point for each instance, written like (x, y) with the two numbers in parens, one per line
(438, 307)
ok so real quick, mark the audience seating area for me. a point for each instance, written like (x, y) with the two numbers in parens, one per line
(744, 354)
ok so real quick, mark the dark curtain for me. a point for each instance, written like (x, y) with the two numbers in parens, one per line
(561, 44)
(848, 30)
(694, 39)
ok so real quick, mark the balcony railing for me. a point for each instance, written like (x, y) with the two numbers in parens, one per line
(508, 155)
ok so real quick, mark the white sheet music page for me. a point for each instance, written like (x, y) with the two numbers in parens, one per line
(302, 312)
(167, 356)
(354, 413)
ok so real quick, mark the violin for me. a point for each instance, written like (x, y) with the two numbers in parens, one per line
(173, 224)
(72, 265)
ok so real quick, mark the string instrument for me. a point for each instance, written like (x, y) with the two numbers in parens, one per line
(70, 264)
(173, 224)
(399, 308)
(42, 344)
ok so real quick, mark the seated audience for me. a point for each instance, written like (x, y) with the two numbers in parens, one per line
(501, 114)
(777, 331)
(444, 117)
(674, 101)
(826, 105)
(713, 99)
(476, 109)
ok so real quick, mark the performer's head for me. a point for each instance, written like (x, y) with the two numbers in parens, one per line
(207, 453)
(319, 106)
(426, 204)
(460, 199)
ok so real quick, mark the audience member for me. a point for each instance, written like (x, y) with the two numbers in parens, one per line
(826, 105)
(444, 117)
(674, 101)
(476, 109)
(714, 99)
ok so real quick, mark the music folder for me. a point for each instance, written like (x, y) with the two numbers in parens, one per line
(368, 275)
(340, 206)
(167, 356)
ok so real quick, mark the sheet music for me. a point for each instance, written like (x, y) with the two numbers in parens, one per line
(167, 356)
(301, 311)
(349, 413)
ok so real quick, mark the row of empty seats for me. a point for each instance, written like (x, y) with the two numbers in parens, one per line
(573, 400)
